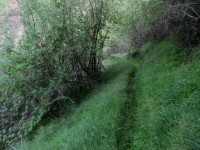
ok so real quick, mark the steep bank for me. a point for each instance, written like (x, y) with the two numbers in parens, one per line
(153, 108)
(93, 125)
(168, 98)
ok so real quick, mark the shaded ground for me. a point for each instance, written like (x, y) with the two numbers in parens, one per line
(127, 119)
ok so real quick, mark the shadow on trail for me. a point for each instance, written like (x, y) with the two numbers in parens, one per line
(127, 118)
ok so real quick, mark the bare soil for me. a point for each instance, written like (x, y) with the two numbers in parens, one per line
(10, 22)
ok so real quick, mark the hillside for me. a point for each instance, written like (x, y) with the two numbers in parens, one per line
(94, 124)
(167, 95)
(158, 110)
(100, 75)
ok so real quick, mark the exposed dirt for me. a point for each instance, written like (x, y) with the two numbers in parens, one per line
(10, 23)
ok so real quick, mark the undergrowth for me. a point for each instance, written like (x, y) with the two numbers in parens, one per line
(157, 110)
(168, 98)
(93, 124)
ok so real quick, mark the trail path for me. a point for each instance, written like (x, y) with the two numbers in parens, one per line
(97, 123)
(126, 124)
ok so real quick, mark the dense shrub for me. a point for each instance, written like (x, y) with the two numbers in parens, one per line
(59, 55)
(156, 19)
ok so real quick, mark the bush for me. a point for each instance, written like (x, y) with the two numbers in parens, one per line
(157, 19)
(59, 55)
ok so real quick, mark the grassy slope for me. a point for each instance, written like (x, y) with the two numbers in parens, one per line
(167, 93)
(168, 99)
(94, 123)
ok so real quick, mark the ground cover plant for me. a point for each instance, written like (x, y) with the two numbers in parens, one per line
(167, 97)
(94, 123)
(59, 55)
(100, 75)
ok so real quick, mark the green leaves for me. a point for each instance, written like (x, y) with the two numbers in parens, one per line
(59, 56)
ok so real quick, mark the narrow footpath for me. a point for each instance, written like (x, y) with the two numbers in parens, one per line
(127, 119)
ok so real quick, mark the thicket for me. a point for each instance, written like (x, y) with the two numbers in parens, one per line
(93, 124)
(59, 55)
(152, 20)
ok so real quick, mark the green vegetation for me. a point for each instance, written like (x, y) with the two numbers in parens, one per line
(2, 5)
(127, 118)
(58, 58)
(101, 75)
(159, 109)
(93, 124)
(167, 96)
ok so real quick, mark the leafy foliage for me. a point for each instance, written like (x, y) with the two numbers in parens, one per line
(94, 123)
(152, 20)
(59, 55)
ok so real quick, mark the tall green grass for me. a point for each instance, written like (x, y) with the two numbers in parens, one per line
(166, 101)
(93, 124)
(168, 98)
